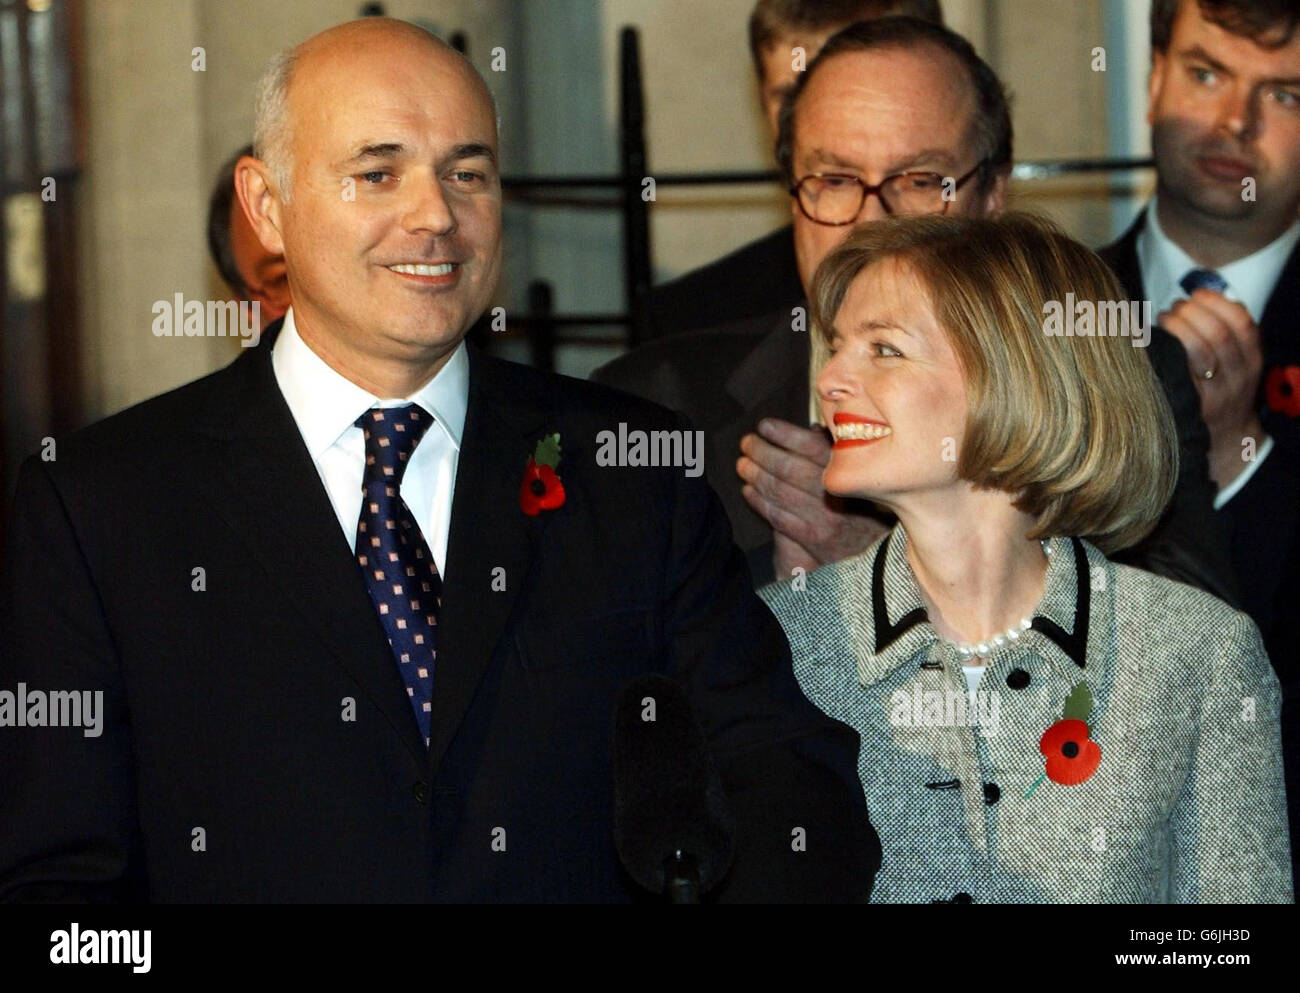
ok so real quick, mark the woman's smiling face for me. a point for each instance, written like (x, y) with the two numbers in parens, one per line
(892, 392)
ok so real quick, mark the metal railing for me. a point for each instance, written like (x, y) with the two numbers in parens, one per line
(622, 191)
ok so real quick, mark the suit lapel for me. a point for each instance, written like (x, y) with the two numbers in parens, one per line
(1281, 321)
(1279, 332)
(260, 479)
(771, 381)
(489, 530)
(1122, 257)
(773, 378)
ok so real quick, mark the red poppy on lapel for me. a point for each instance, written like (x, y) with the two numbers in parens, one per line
(1072, 757)
(542, 488)
(1282, 390)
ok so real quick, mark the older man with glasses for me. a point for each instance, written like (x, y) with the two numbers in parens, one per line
(894, 116)
(784, 36)
(836, 200)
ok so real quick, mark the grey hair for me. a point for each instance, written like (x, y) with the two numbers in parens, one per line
(271, 137)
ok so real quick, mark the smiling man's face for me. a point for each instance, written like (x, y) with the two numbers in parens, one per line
(392, 230)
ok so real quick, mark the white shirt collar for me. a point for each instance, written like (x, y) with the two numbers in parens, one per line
(1250, 279)
(325, 404)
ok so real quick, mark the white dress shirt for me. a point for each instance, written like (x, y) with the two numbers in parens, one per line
(1250, 282)
(1250, 279)
(325, 406)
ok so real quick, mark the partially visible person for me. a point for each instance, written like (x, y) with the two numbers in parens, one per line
(760, 277)
(1039, 724)
(251, 272)
(894, 116)
(786, 35)
(1217, 252)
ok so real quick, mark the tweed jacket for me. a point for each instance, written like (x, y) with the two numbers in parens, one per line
(1187, 803)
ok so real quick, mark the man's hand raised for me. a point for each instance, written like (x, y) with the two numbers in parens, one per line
(1222, 341)
(782, 468)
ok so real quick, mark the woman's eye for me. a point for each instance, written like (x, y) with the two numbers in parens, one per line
(887, 351)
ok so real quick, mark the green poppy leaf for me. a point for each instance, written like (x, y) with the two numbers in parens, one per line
(548, 451)
(1078, 705)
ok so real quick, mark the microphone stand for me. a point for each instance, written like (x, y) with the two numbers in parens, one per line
(681, 878)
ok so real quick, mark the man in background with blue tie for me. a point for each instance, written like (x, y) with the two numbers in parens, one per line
(359, 607)
(1215, 252)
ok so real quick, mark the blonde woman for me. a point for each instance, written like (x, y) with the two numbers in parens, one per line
(1038, 724)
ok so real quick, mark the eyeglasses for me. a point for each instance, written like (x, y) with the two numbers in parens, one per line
(834, 199)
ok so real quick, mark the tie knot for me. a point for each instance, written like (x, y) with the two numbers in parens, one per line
(1202, 279)
(391, 436)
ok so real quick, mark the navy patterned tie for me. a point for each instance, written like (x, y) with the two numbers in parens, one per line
(400, 571)
(1202, 279)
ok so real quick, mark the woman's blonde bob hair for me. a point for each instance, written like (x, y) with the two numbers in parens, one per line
(1078, 428)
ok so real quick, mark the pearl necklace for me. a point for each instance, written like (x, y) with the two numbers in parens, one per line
(967, 651)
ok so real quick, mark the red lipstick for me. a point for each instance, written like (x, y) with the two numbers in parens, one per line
(845, 419)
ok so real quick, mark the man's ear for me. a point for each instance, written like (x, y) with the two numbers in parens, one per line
(995, 200)
(260, 202)
(1155, 82)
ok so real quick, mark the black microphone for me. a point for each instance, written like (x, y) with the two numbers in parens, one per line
(672, 829)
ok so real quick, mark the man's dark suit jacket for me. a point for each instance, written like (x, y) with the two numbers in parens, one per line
(726, 379)
(753, 281)
(1263, 520)
(225, 707)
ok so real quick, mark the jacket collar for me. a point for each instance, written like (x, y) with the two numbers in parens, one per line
(778, 363)
(1278, 319)
(510, 409)
(1122, 257)
(1252, 279)
(326, 404)
(1277, 326)
(893, 625)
